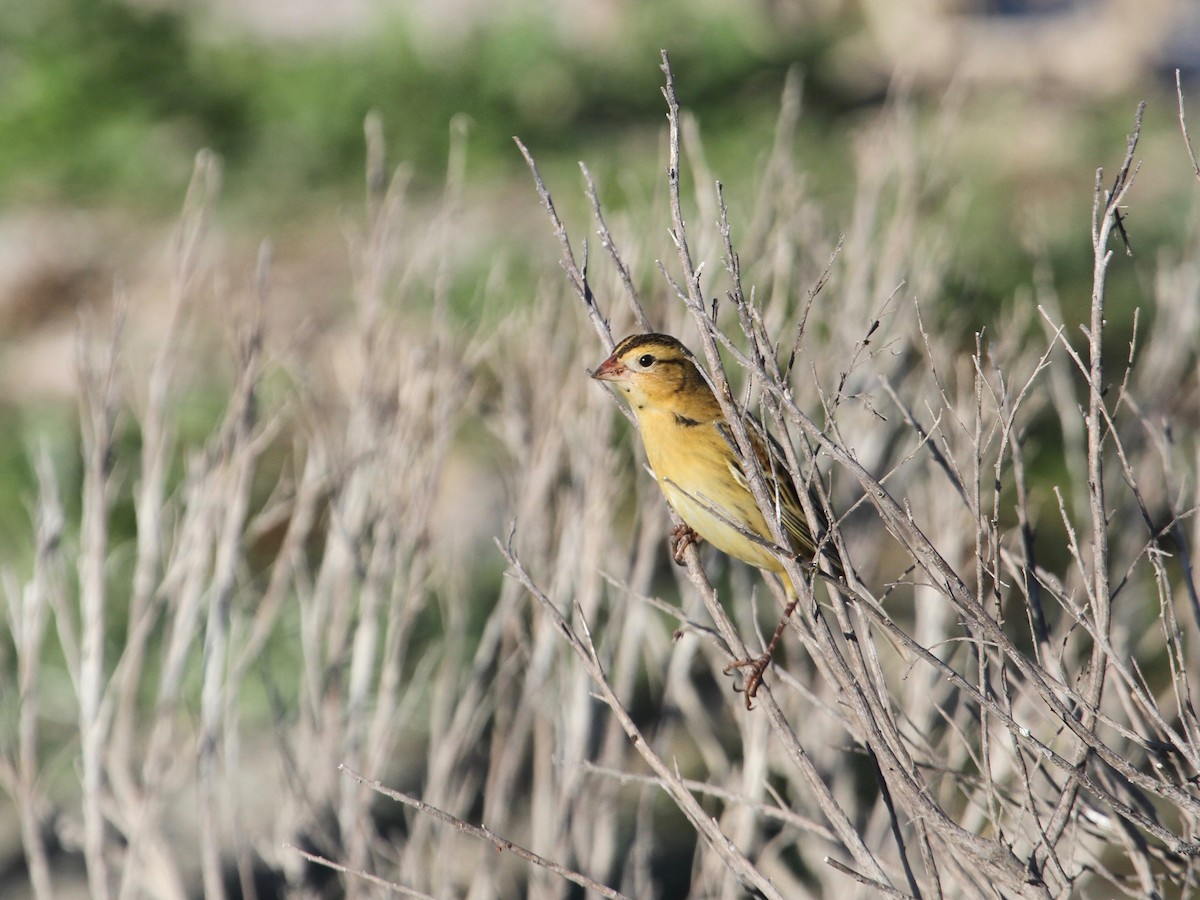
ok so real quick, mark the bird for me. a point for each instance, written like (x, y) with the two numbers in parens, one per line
(693, 455)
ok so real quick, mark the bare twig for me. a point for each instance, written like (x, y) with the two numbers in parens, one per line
(575, 274)
(885, 889)
(635, 303)
(486, 834)
(1187, 141)
(357, 873)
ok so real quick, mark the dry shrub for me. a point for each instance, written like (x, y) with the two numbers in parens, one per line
(1027, 728)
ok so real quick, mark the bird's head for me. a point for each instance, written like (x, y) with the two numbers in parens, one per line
(655, 371)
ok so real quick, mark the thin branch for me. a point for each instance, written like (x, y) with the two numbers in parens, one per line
(606, 239)
(885, 889)
(486, 834)
(575, 275)
(358, 873)
(1183, 127)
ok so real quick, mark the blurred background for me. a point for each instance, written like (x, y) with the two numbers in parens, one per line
(104, 105)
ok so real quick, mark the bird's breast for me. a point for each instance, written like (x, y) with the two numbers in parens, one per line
(695, 467)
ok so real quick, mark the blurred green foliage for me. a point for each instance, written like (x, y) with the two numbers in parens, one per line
(106, 99)
(100, 95)
(106, 102)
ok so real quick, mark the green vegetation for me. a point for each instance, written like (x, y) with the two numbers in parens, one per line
(109, 101)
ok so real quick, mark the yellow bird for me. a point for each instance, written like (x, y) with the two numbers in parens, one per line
(693, 455)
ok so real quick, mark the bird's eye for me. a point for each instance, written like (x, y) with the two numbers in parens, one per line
(646, 360)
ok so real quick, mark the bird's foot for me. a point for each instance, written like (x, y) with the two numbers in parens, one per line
(682, 537)
(757, 667)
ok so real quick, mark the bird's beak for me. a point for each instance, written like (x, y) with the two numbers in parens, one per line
(612, 369)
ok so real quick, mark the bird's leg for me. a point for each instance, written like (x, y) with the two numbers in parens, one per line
(682, 537)
(758, 665)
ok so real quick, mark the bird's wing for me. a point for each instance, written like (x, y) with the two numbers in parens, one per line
(779, 483)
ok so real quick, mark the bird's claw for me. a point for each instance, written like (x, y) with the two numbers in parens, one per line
(757, 667)
(682, 537)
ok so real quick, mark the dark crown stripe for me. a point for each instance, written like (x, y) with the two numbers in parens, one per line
(644, 340)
